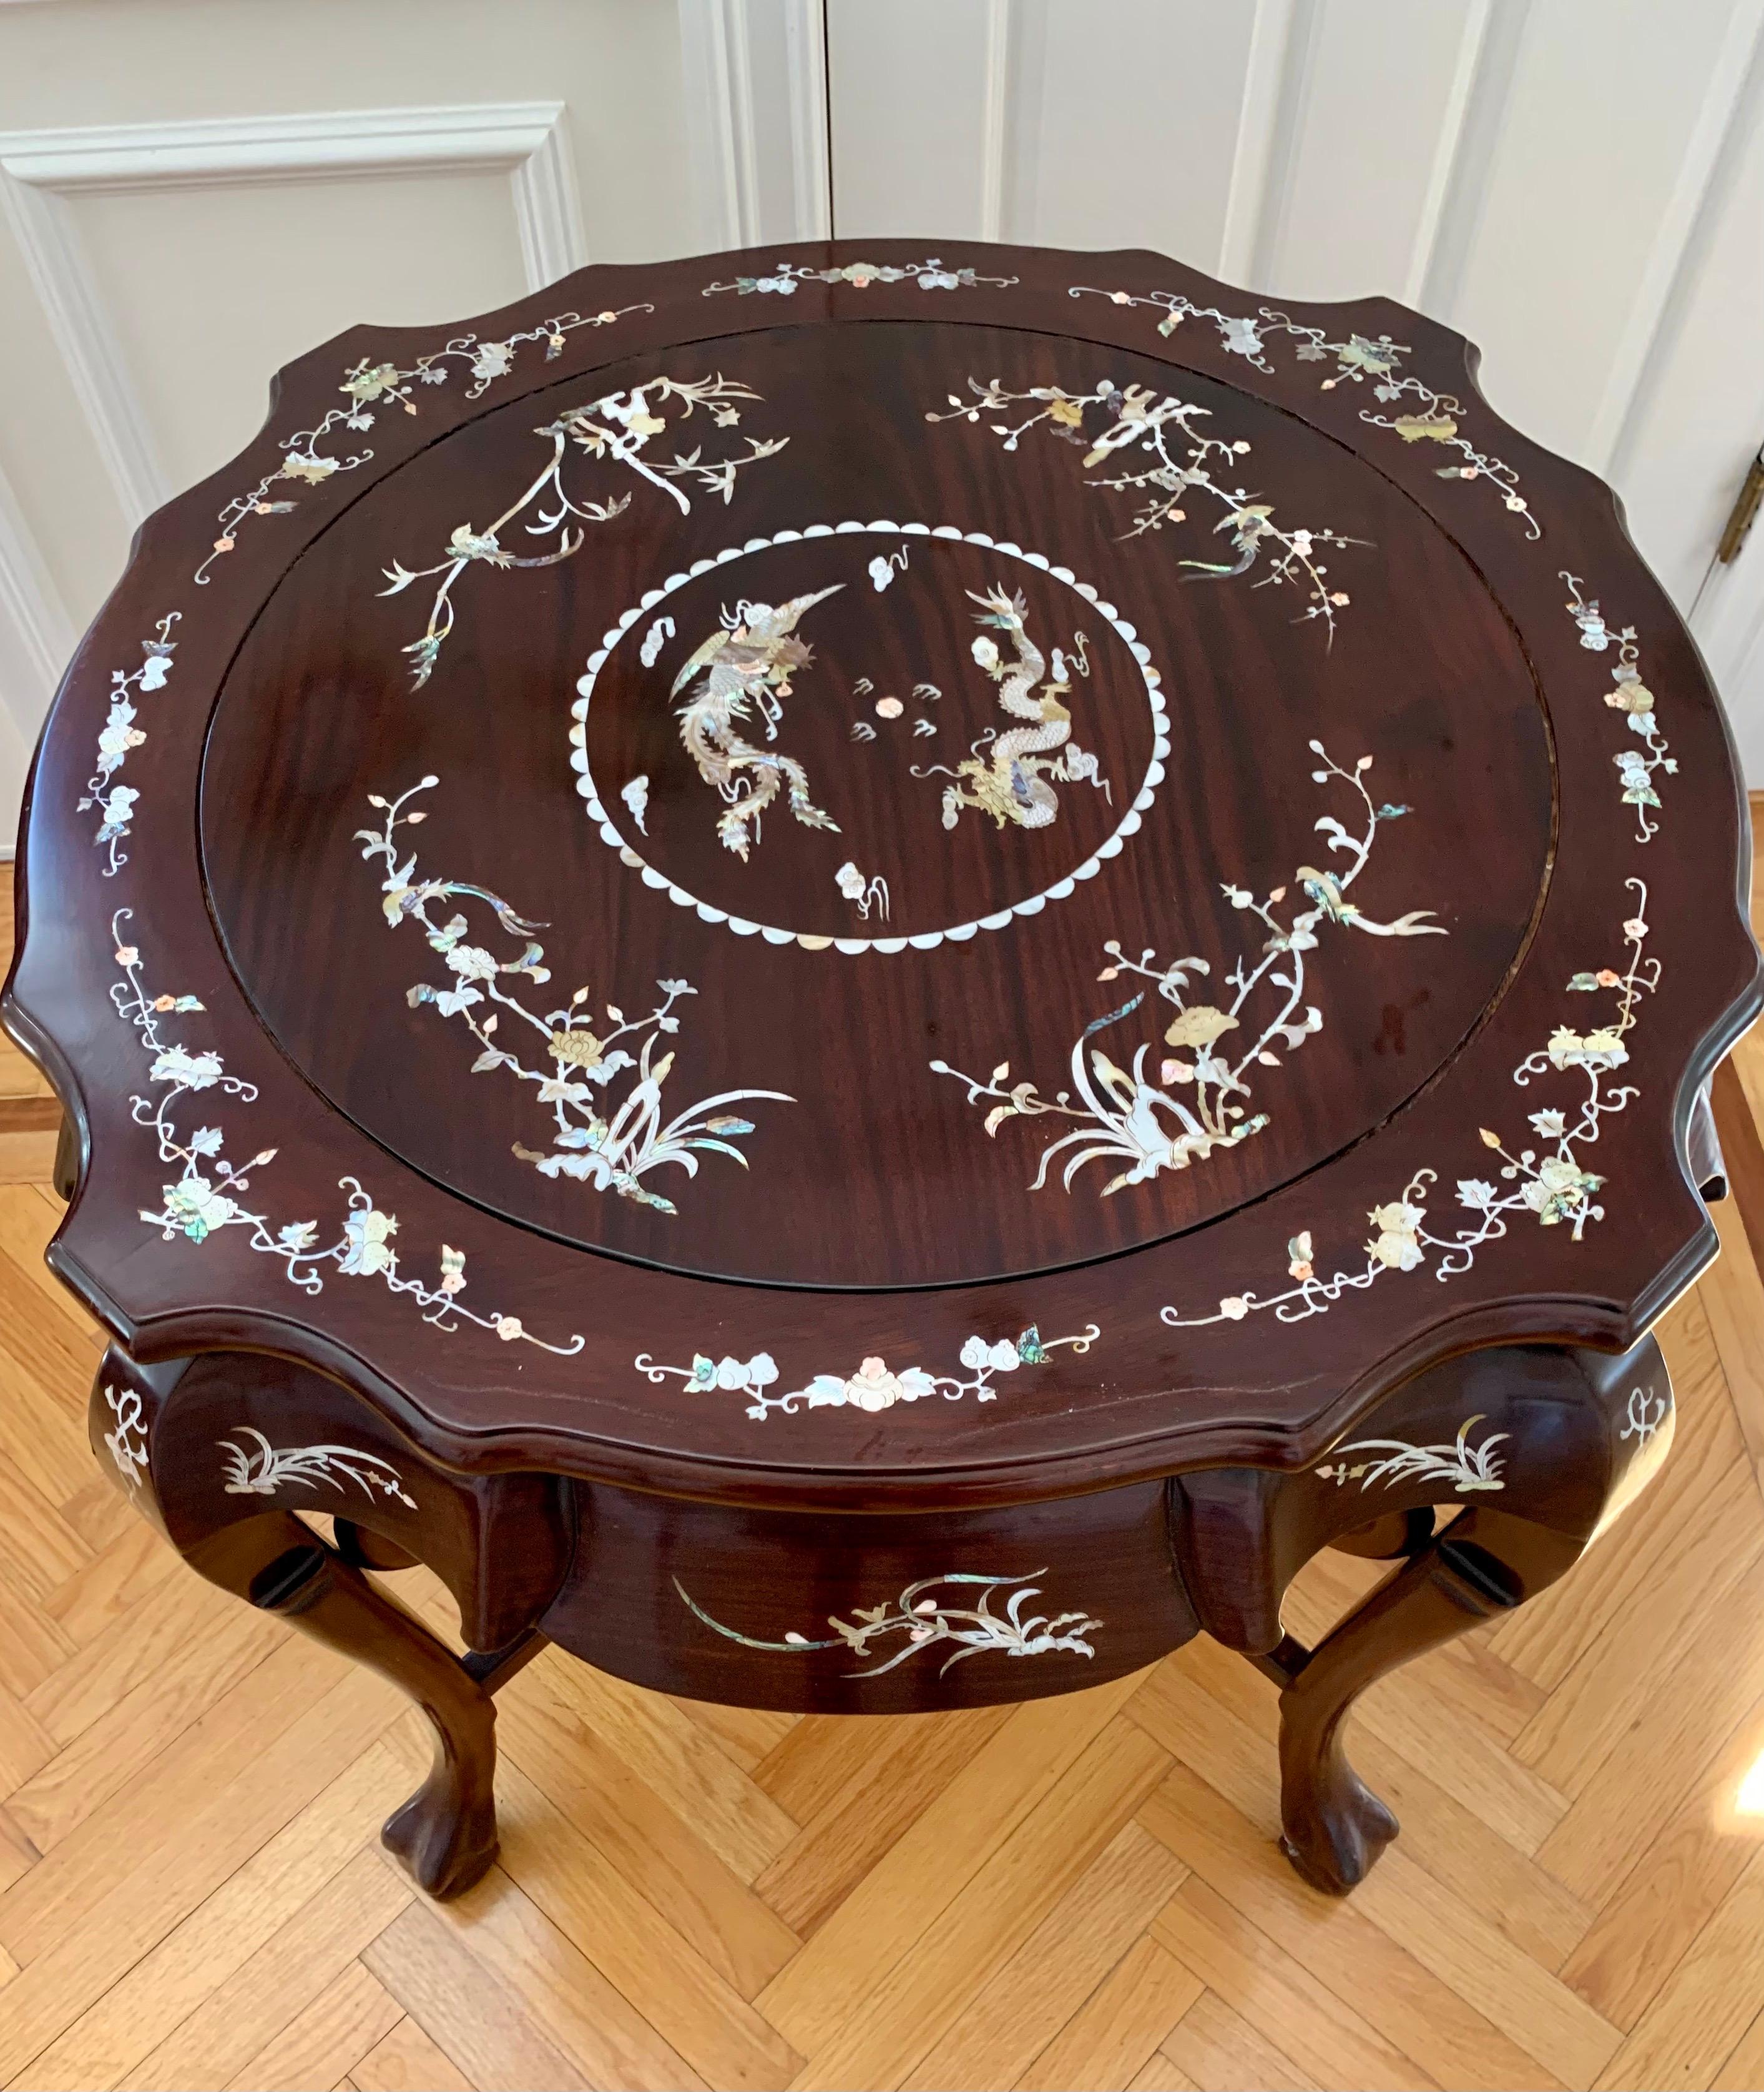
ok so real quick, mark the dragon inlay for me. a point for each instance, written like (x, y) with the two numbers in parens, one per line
(1011, 781)
(747, 666)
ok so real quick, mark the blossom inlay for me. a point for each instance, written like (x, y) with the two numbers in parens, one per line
(1636, 767)
(616, 428)
(209, 1193)
(367, 385)
(610, 1142)
(1122, 1114)
(1551, 1181)
(1433, 417)
(1180, 461)
(873, 1386)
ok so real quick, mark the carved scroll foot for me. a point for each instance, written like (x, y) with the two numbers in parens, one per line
(1482, 1565)
(1347, 1828)
(445, 1836)
(446, 1833)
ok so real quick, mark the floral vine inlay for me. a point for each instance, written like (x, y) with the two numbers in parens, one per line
(872, 1386)
(208, 1193)
(367, 385)
(1011, 781)
(262, 1472)
(930, 275)
(616, 428)
(1359, 357)
(1138, 420)
(116, 802)
(1467, 1468)
(928, 1621)
(611, 1146)
(1434, 417)
(1636, 767)
(1550, 1181)
(1124, 1115)
(746, 667)
(127, 1445)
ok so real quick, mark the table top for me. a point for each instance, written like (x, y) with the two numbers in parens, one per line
(831, 876)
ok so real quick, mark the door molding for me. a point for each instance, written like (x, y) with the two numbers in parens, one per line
(756, 119)
(41, 171)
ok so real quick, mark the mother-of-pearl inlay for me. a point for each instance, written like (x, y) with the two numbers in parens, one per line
(601, 799)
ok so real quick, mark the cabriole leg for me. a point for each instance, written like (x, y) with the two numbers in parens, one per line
(1483, 1564)
(446, 1833)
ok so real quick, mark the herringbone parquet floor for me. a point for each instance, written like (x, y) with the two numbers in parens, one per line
(1080, 1892)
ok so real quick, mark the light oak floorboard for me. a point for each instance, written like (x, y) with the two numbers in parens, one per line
(1076, 1892)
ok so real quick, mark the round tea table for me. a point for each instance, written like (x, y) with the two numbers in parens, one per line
(864, 979)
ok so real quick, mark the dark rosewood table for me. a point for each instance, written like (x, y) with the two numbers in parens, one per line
(865, 981)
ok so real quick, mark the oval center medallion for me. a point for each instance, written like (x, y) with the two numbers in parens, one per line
(789, 736)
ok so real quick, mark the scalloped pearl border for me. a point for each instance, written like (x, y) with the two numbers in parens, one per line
(925, 939)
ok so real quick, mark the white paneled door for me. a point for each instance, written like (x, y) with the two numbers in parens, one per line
(1578, 185)
(195, 191)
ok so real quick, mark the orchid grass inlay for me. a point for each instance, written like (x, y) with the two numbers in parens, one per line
(929, 1621)
(116, 802)
(208, 1194)
(1010, 780)
(610, 1142)
(617, 429)
(127, 1445)
(1636, 767)
(1181, 460)
(1434, 417)
(929, 274)
(1467, 1468)
(261, 1471)
(1191, 1108)
(873, 1386)
(366, 386)
(1550, 1181)
(745, 667)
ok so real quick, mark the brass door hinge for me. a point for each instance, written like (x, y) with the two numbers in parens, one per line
(1743, 514)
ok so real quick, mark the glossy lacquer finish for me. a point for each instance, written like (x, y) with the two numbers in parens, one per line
(867, 1170)
(1453, 663)
(1007, 894)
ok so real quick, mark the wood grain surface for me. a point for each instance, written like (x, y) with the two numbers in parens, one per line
(884, 1220)
(878, 1174)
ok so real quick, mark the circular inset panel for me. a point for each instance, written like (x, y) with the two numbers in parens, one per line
(846, 955)
(1032, 703)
